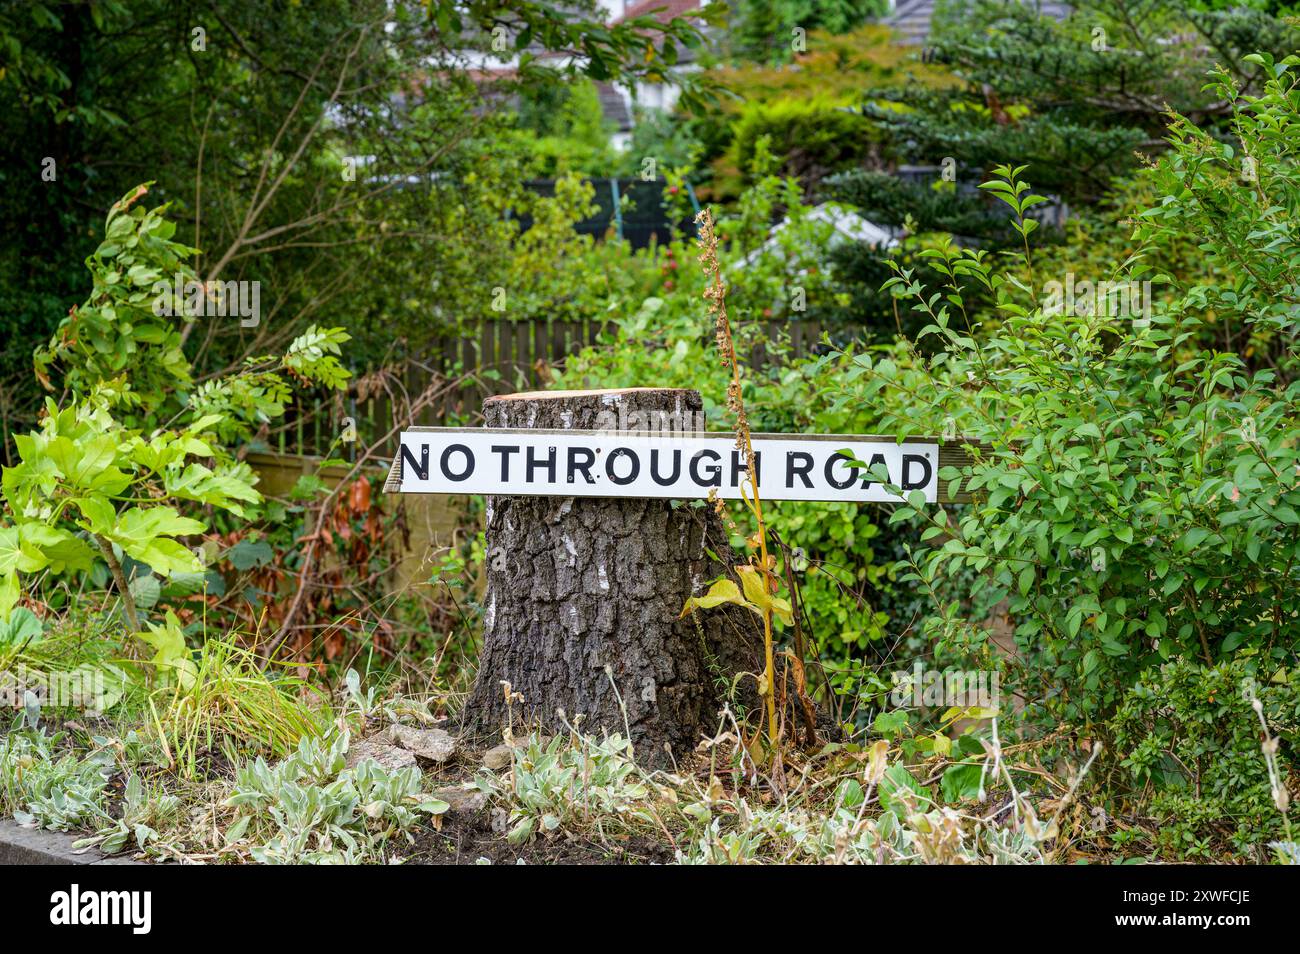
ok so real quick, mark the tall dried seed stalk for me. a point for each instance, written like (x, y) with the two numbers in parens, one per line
(716, 295)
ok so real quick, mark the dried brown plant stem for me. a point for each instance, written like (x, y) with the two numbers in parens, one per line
(716, 294)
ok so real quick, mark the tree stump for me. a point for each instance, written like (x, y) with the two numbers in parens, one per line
(584, 595)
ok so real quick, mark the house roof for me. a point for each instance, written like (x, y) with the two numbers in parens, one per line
(614, 107)
(664, 11)
(661, 10)
(911, 18)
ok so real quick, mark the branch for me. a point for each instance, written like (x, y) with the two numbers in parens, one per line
(119, 578)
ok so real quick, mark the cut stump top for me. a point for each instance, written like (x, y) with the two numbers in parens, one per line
(566, 395)
(608, 409)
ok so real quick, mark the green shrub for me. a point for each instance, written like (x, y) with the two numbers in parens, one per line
(813, 137)
(44, 786)
(135, 434)
(1135, 500)
(563, 130)
(1189, 737)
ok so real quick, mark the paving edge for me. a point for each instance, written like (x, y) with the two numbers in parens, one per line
(32, 846)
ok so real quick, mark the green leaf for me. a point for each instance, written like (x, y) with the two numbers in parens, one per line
(758, 594)
(247, 554)
(960, 782)
(890, 724)
(9, 593)
(145, 591)
(22, 627)
(1090, 660)
(18, 553)
(898, 787)
(1026, 580)
(145, 533)
(16, 556)
(62, 548)
(171, 656)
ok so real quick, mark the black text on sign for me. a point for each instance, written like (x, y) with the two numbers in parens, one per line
(606, 464)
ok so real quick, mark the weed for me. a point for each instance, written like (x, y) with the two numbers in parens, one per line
(43, 789)
(227, 704)
(143, 812)
(310, 809)
(569, 782)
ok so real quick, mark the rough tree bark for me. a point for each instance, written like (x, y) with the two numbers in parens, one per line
(576, 585)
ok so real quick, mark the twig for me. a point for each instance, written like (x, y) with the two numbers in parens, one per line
(313, 536)
(119, 578)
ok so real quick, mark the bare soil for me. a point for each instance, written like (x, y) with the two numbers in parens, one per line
(465, 838)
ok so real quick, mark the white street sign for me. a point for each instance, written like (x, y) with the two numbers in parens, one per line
(666, 465)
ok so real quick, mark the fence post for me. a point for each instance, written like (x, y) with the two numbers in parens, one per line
(618, 211)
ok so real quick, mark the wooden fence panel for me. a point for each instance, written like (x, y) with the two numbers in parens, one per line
(515, 351)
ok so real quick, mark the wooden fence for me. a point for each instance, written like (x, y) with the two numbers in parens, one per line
(495, 356)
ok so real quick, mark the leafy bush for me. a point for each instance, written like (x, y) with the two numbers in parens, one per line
(43, 787)
(812, 137)
(72, 474)
(142, 810)
(764, 31)
(563, 130)
(1134, 493)
(863, 809)
(555, 783)
(555, 272)
(1189, 731)
(1135, 499)
(835, 70)
(933, 206)
(136, 435)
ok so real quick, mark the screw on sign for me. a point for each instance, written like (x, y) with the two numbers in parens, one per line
(582, 609)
